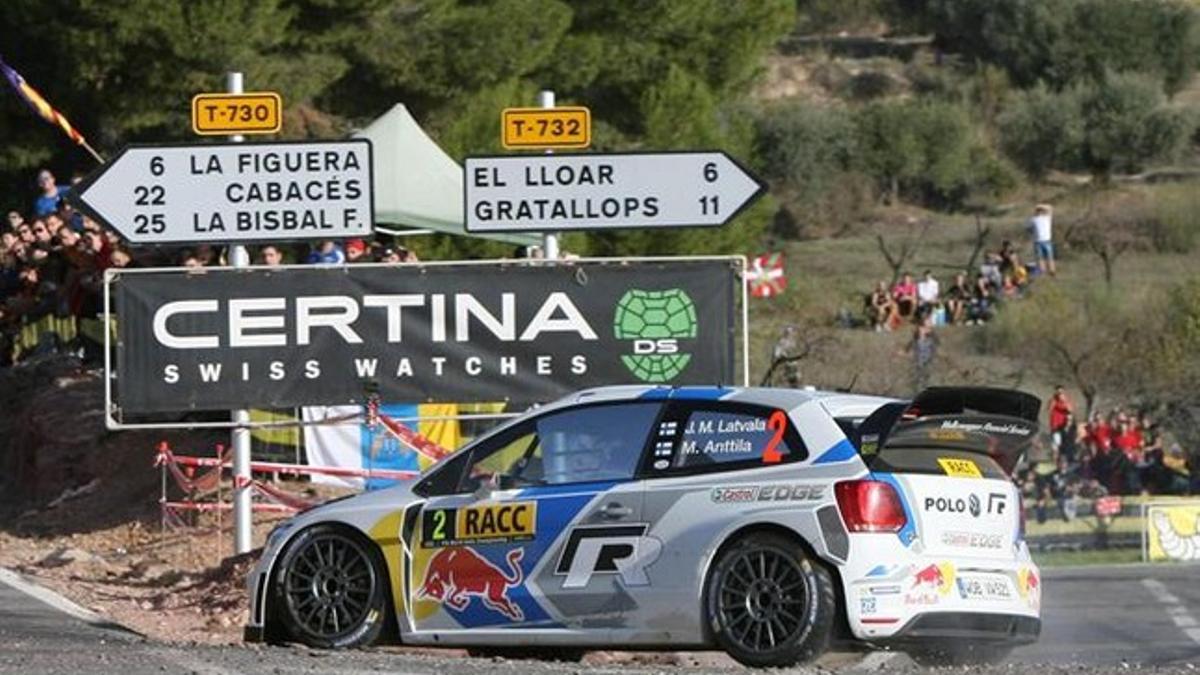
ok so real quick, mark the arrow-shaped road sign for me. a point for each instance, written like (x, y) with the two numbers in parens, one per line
(535, 193)
(236, 192)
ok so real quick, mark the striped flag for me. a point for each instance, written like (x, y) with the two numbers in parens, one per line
(43, 107)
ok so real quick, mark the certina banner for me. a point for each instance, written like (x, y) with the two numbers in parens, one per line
(523, 332)
(238, 192)
(519, 193)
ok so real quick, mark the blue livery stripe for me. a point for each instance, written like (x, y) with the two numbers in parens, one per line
(686, 393)
(840, 452)
(909, 532)
(567, 489)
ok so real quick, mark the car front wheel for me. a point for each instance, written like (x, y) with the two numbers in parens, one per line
(330, 589)
(768, 604)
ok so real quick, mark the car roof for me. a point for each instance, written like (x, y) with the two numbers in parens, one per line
(836, 404)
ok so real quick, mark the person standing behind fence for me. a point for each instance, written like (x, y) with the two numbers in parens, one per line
(1041, 228)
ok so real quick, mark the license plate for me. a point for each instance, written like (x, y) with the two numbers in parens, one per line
(981, 587)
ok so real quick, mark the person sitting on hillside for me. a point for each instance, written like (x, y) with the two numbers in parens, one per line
(1020, 273)
(1006, 254)
(982, 300)
(929, 294)
(904, 292)
(958, 297)
(881, 308)
(990, 270)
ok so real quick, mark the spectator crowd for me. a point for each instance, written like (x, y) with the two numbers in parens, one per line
(53, 259)
(1121, 452)
(972, 298)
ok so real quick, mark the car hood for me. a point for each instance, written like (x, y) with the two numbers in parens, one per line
(364, 510)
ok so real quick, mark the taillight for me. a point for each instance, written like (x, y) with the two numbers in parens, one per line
(1021, 510)
(870, 506)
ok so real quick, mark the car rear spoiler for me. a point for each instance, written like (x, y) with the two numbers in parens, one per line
(1001, 423)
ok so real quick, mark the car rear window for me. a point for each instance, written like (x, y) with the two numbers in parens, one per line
(934, 461)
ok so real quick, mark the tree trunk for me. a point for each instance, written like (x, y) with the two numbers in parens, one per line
(1109, 261)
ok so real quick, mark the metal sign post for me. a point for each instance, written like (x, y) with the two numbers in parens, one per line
(550, 239)
(243, 515)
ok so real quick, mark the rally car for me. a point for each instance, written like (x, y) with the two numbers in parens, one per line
(769, 523)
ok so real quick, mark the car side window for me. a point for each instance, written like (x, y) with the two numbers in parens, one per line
(721, 438)
(595, 443)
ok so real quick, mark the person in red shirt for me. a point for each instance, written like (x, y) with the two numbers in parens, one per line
(904, 292)
(1129, 440)
(1060, 409)
(1100, 432)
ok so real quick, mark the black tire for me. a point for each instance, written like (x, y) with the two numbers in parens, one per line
(330, 589)
(970, 654)
(767, 604)
(563, 655)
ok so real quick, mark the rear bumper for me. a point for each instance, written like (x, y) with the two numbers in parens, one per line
(969, 626)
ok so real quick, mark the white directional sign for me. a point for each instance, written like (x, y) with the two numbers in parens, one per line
(237, 192)
(596, 191)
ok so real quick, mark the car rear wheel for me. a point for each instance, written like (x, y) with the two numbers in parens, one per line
(330, 589)
(768, 604)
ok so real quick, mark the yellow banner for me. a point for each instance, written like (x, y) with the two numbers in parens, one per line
(1173, 532)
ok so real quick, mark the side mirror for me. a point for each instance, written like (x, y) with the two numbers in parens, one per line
(486, 487)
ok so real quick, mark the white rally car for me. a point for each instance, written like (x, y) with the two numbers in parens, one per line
(769, 523)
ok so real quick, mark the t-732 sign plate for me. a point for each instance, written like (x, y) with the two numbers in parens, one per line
(549, 128)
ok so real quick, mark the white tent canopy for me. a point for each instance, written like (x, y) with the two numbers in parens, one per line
(416, 183)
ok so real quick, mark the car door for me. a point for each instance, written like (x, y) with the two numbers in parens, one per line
(543, 516)
(715, 462)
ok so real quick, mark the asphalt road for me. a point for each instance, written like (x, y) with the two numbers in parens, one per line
(1097, 620)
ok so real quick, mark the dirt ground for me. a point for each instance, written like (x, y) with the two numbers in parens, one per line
(79, 512)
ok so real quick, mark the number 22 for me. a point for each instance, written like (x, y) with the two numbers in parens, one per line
(777, 422)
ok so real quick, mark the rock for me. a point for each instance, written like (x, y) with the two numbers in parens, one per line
(157, 573)
(67, 555)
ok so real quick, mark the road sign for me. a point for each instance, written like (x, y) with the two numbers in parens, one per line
(597, 192)
(546, 128)
(228, 114)
(236, 192)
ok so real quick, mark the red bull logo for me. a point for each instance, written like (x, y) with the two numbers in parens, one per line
(931, 576)
(457, 573)
(929, 583)
(1028, 584)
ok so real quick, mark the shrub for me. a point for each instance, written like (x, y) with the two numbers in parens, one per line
(1119, 124)
(931, 151)
(1175, 227)
(808, 152)
(1042, 130)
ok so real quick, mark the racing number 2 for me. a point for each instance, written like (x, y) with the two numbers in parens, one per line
(777, 422)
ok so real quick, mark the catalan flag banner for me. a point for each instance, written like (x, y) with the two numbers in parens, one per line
(42, 107)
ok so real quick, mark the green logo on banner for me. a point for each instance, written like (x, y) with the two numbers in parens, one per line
(654, 321)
